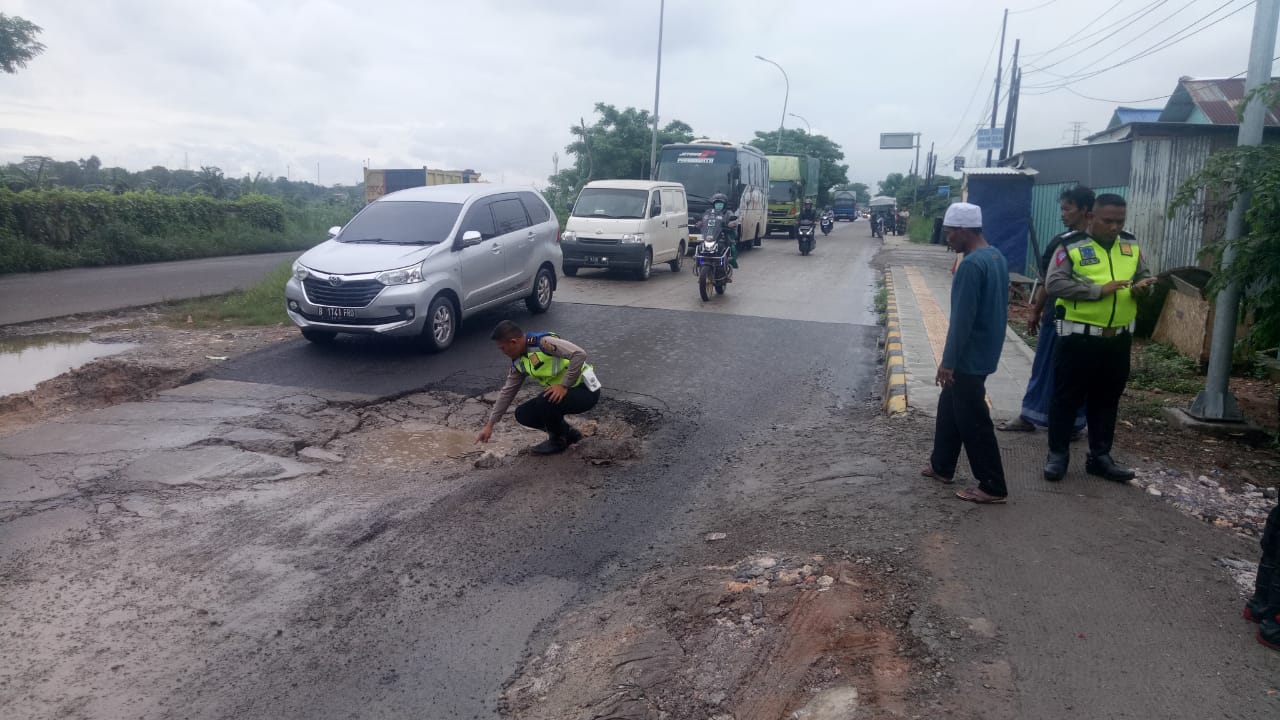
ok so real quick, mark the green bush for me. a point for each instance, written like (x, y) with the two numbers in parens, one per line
(54, 229)
(1161, 367)
(262, 304)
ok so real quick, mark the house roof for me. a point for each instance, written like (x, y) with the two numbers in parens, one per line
(999, 171)
(1218, 98)
(1125, 115)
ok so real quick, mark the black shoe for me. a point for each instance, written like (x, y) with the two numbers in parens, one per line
(571, 435)
(1269, 632)
(1103, 466)
(1055, 466)
(1256, 608)
(552, 445)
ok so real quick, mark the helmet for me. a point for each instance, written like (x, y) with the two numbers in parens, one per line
(808, 202)
(719, 197)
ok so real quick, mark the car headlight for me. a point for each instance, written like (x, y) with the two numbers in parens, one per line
(300, 272)
(633, 238)
(403, 276)
(568, 236)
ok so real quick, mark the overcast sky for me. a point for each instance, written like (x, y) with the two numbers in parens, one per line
(278, 86)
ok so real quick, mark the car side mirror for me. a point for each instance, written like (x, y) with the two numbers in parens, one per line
(655, 211)
(471, 237)
(333, 231)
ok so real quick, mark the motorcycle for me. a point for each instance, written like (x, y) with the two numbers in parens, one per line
(828, 221)
(805, 237)
(877, 227)
(711, 264)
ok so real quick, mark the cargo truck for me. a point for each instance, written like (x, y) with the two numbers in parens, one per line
(792, 180)
(379, 182)
(844, 203)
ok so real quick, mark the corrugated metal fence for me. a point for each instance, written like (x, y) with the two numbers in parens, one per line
(1046, 219)
(1160, 166)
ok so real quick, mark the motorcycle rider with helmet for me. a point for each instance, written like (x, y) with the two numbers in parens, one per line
(807, 213)
(719, 203)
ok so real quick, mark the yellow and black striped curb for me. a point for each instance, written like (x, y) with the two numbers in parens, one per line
(895, 371)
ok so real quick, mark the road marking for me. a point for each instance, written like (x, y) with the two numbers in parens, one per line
(935, 323)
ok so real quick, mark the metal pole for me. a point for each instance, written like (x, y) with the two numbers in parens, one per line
(807, 127)
(915, 175)
(1010, 108)
(657, 85)
(995, 97)
(781, 123)
(1215, 402)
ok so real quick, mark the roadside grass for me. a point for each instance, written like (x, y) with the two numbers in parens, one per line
(920, 229)
(882, 302)
(1141, 405)
(262, 304)
(1157, 366)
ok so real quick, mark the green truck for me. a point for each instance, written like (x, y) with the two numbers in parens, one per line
(792, 180)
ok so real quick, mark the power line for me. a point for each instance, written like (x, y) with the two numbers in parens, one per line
(1126, 102)
(1127, 19)
(1033, 9)
(1074, 35)
(981, 77)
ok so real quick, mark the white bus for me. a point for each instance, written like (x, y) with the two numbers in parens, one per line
(706, 167)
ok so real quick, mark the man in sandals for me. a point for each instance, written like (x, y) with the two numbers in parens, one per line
(1075, 205)
(979, 313)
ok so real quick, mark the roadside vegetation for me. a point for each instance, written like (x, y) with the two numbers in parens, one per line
(262, 304)
(882, 302)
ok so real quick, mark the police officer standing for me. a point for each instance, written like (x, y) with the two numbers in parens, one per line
(1094, 277)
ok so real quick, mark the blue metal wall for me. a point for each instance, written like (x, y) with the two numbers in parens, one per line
(1006, 213)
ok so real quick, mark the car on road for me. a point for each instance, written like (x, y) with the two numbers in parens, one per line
(418, 262)
(627, 224)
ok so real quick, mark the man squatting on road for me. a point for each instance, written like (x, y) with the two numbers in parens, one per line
(570, 385)
(979, 314)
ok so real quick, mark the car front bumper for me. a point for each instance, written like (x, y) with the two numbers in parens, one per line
(587, 255)
(397, 311)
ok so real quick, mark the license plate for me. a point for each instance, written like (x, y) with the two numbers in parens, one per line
(597, 260)
(332, 313)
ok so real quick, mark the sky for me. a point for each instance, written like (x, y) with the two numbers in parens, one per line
(316, 89)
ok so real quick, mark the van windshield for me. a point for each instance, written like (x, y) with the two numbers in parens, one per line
(611, 203)
(390, 222)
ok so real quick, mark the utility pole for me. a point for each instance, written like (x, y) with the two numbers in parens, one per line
(657, 86)
(1011, 108)
(1015, 94)
(1076, 127)
(915, 175)
(1216, 402)
(995, 97)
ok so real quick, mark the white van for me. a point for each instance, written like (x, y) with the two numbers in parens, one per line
(628, 224)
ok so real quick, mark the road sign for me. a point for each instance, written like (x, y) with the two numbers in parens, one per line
(990, 138)
(944, 190)
(897, 141)
(958, 163)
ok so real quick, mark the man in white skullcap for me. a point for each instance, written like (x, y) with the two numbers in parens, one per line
(979, 313)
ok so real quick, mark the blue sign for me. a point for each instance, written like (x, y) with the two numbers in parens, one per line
(990, 138)
(944, 190)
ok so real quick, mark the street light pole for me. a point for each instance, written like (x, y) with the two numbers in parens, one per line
(657, 86)
(807, 127)
(781, 123)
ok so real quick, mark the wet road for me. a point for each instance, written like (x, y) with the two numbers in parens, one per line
(509, 554)
(25, 297)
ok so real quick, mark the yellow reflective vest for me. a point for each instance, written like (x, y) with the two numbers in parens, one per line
(547, 369)
(1093, 262)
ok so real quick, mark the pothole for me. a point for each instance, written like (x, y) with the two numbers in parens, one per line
(28, 360)
(772, 637)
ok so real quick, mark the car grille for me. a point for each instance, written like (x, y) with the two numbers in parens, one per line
(598, 241)
(778, 213)
(352, 294)
(353, 321)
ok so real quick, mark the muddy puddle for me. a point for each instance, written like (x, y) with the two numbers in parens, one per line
(29, 360)
(412, 444)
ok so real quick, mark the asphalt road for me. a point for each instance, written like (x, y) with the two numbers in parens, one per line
(719, 377)
(26, 297)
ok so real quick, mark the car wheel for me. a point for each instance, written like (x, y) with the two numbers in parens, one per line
(570, 270)
(319, 337)
(646, 268)
(441, 326)
(679, 259)
(539, 301)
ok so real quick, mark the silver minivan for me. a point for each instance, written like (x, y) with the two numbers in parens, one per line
(419, 261)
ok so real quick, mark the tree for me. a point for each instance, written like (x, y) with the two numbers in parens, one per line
(18, 45)
(892, 184)
(797, 142)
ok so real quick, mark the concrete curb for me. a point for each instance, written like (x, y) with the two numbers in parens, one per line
(895, 374)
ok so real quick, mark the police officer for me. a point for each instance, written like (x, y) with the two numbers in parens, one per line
(570, 385)
(1094, 276)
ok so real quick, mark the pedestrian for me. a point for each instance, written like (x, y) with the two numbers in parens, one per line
(1074, 204)
(979, 315)
(1094, 279)
(1264, 607)
(569, 385)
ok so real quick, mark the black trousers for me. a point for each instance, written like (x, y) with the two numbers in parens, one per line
(1271, 536)
(964, 420)
(542, 414)
(1088, 370)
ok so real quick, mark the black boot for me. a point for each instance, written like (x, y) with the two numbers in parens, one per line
(1103, 466)
(570, 434)
(1256, 608)
(552, 445)
(1055, 467)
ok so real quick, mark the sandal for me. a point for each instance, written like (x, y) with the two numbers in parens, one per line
(1018, 424)
(980, 496)
(929, 472)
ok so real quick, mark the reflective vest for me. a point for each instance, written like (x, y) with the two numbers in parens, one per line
(1091, 261)
(546, 369)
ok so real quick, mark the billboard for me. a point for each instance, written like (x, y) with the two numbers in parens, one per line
(991, 138)
(897, 141)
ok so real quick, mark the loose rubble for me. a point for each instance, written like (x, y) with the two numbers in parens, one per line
(1210, 500)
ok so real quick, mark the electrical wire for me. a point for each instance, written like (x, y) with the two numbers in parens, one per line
(1092, 23)
(1126, 102)
(1126, 20)
(1033, 9)
(981, 76)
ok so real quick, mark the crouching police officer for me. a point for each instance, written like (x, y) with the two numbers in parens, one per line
(1094, 275)
(570, 385)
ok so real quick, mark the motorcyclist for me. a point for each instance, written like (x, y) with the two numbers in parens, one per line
(719, 203)
(807, 213)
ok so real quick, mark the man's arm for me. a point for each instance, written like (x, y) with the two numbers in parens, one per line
(576, 356)
(1063, 283)
(964, 307)
(507, 394)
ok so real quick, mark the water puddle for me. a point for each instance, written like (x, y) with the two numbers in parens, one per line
(413, 444)
(26, 361)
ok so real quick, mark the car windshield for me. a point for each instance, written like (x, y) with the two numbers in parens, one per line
(783, 191)
(402, 223)
(703, 171)
(611, 203)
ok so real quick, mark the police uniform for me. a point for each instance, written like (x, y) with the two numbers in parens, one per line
(550, 361)
(1091, 361)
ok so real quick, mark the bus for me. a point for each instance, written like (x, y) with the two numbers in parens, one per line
(706, 167)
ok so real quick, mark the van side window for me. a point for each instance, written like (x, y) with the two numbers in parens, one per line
(480, 219)
(509, 216)
(537, 209)
(655, 203)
